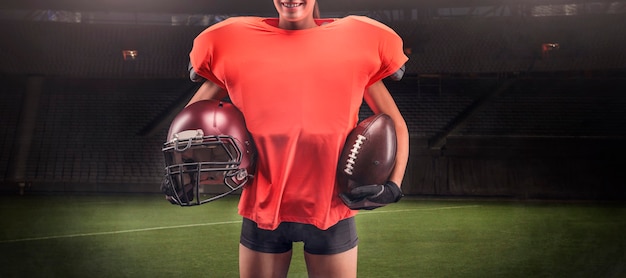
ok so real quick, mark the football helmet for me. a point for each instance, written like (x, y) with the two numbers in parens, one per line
(208, 154)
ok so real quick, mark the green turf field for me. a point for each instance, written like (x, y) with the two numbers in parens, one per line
(144, 236)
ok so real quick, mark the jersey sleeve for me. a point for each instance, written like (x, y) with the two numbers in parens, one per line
(390, 49)
(202, 53)
(392, 56)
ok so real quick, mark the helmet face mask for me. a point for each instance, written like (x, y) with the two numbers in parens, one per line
(202, 164)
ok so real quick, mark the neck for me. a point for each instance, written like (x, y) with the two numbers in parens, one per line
(300, 25)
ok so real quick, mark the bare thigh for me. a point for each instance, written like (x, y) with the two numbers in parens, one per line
(258, 264)
(341, 265)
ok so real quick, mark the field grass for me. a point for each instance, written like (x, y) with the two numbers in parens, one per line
(144, 236)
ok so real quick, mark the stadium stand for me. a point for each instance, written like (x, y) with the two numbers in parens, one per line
(102, 120)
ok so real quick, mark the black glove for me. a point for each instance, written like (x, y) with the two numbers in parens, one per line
(368, 197)
(168, 190)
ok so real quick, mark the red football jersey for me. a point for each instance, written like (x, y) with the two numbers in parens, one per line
(300, 92)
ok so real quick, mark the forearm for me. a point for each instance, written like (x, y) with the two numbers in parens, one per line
(402, 152)
(380, 101)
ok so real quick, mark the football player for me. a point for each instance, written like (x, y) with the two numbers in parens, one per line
(299, 81)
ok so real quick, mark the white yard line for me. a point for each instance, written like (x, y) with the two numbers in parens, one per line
(208, 224)
(417, 209)
(120, 232)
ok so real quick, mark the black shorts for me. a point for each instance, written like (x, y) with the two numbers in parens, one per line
(336, 239)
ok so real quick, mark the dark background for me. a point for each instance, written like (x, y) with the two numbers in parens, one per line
(490, 113)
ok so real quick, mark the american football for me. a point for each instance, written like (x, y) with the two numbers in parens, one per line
(369, 153)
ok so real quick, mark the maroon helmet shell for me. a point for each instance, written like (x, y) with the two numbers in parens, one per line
(209, 153)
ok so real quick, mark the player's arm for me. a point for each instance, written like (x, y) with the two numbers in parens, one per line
(379, 100)
(208, 90)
